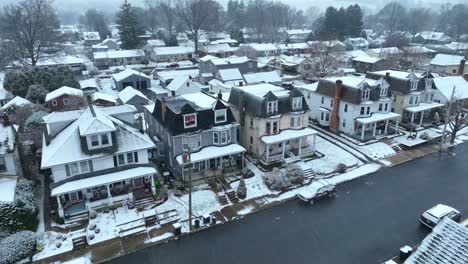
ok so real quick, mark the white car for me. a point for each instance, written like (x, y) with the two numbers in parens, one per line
(433, 216)
(317, 190)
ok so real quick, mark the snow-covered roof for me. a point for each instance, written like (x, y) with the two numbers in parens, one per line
(213, 152)
(55, 117)
(309, 87)
(267, 77)
(116, 54)
(17, 101)
(399, 74)
(230, 74)
(367, 59)
(446, 244)
(61, 60)
(166, 75)
(126, 73)
(156, 42)
(91, 36)
(260, 90)
(64, 90)
(445, 86)
(262, 46)
(88, 83)
(103, 96)
(423, 107)
(128, 93)
(94, 121)
(230, 60)
(224, 41)
(177, 83)
(173, 50)
(208, 58)
(200, 99)
(383, 52)
(376, 117)
(418, 50)
(432, 35)
(65, 147)
(447, 60)
(8, 187)
(298, 31)
(457, 46)
(7, 140)
(4, 94)
(102, 180)
(214, 48)
(288, 134)
(353, 81)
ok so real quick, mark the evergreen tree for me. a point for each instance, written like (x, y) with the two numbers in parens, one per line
(171, 40)
(129, 27)
(354, 20)
(238, 35)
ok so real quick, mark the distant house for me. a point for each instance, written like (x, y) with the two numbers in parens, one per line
(294, 48)
(9, 157)
(263, 77)
(366, 63)
(89, 86)
(417, 55)
(91, 38)
(273, 122)
(5, 96)
(182, 85)
(155, 43)
(263, 49)
(201, 124)
(119, 57)
(431, 37)
(129, 77)
(210, 66)
(166, 54)
(356, 44)
(131, 96)
(76, 64)
(17, 101)
(102, 99)
(384, 53)
(218, 50)
(166, 77)
(295, 65)
(446, 64)
(229, 75)
(98, 157)
(331, 45)
(445, 86)
(109, 44)
(298, 35)
(65, 98)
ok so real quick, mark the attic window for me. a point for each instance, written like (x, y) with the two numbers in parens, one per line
(272, 107)
(365, 94)
(383, 91)
(297, 103)
(428, 83)
(220, 116)
(414, 85)
(190, 120)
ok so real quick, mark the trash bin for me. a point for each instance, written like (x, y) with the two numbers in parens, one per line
(196, 223)
(213, 220)
(405, 252)
(206, 219)
(177, 229)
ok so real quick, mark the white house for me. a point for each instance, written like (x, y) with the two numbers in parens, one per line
(182, 85)
(9, 158)
(91, 38)
(445, 86)
(96, 159)
(356, 44)
(119, 57)
(163, 54)
(447, 64)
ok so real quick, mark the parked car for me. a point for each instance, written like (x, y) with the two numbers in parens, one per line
(433, 216)
(316, 191)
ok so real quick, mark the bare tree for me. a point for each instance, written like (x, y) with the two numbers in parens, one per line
(197, 15)
(165, 9)
(325, 61)
(28, 29)
(458, 118)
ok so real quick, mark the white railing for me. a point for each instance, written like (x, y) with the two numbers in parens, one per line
(307, 150)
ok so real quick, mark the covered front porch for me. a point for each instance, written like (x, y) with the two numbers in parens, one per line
(212, 161)
(289, 143)
(375, 126)
(77, 197)
(418, 116)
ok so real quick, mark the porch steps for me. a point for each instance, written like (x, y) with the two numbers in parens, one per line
(232, 195)
(309, 174)
(145, 203)
(76, 221)
(396, 148)
(79, 239)
(222, 198)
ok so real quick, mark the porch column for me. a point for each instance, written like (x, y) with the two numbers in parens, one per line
(386, 126)
(375, 129)
(313, 146)
(284, 148)
(153, 187)
(412, 118)
(300, 146)
(267, 152)
(242, 156)
(421, 120)
(396, 127)
(109, 194)
(363, 129)
(60, 208)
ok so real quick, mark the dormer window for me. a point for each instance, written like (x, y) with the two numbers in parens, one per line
(297, 103)
(98, 141)
(414, 84)
(272, 107)
(428, 83)
(365, 94)
(220, 116)
(190, 120)
(383, 91)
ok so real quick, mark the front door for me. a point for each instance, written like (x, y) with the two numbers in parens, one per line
(75, 197)
(212, 163)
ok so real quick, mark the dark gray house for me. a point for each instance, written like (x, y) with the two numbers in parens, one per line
(210, 65)
(202, 124)
(129, 77)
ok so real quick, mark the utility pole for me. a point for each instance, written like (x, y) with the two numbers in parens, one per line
(447, 116)
(189, 153)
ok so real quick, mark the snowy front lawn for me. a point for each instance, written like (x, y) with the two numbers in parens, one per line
(53, 243)
(377, 151)
(404, 140)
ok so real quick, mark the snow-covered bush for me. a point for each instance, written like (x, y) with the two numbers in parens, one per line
(22, 213)
(36, 94)
(295, 174)
(17, 247)
(35, 120)
(241, 189)
(92, 214)
(436, 118)
(341, 168)
(424, 136)
(275, 180)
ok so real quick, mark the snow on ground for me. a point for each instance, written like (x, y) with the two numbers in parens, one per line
(356, 173)
(50, 241)
(164, 236)
(255, 185)
(404, 140)
(246, 210)
(40, 206)
(334, 155)
(203, 202)
(377, 150)
(107, 86)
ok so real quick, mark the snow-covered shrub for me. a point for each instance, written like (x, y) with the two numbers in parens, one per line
(97, 230)
(17, 247)
(275, 180)
(241, 189)
(436, 118)
(295, 174)
(36, 94)
(341, 168)
(92, 214)
(92, 226)
(22, 213)
(91, 236)
(58, 244)
(247, 173)
(424, 136)
(35, 120)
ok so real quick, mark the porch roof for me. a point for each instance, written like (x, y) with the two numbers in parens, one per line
(377, 117)
(213, 152)
(423, 107)
(102, 180)
(288, 135)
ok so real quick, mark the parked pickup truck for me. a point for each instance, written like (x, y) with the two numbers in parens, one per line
(316, 191)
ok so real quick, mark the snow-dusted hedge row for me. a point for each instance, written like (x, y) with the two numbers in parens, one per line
(16, 247)
(22, 214)
(281, 180)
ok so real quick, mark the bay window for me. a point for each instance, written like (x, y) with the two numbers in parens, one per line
(81, 167)
(272, 107)
(190, 120)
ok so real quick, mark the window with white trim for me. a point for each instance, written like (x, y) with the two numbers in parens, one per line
(81, 167)
(65, 101)
(272, 107)
(295, 122)
(222, 137)
(414, 84)
(365, 94)
(220, 116)
(98, 141)
(194, 142)
(54, 102)
(125, 158)
(297, 103)
(383, 91)
(190, 120)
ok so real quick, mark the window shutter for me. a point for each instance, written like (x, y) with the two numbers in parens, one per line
(90, 163)
(136, 156)
(67, 169)
(115, 161)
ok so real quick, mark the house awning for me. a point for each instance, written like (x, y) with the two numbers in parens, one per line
(376, 117)
(213, 152)
(288, 134)
(105, 179)
(423, 107)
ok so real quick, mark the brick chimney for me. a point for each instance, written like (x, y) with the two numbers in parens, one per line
(335, 119)
(220, 95)
(163, 109)
(461, 68)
